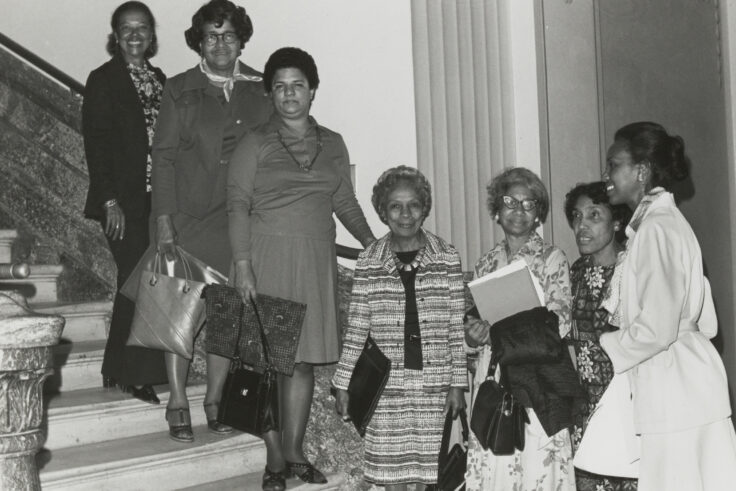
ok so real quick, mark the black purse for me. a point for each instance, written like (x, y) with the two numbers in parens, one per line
(250, 400)
(498, 419)
(452, 464)
(366, 384)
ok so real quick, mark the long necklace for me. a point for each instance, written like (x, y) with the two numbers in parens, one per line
(306, 166)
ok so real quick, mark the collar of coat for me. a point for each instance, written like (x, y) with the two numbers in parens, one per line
(433, 248)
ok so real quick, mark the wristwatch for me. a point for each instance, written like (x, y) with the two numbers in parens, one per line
(110, 203)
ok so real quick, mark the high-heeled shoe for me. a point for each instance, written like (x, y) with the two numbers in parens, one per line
(274, 481)
(180, 424)
(305, 471)
(215, 426)
(145, 393)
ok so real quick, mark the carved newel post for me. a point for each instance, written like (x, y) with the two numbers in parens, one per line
(26, 339)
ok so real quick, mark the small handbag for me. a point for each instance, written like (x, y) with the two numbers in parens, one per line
(530, 336)
(498, 420)
(366, 384)
(452, 464)
(250, 400)
(168, 310)
(280, 319)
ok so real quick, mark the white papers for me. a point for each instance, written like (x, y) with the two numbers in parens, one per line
(507, 291)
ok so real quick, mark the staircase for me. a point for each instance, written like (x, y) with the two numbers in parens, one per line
(104, 439)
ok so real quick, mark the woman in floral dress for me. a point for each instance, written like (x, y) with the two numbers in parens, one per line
(599, 234)
(518, 202)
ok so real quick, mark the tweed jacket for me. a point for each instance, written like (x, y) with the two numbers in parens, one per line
(188, 145)
(115, 140)
(377, 308)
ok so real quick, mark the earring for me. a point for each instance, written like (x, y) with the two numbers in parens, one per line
(616, 227)
(495, 217)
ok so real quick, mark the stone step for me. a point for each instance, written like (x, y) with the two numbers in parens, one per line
(7, 237)
(85, 321)
(76, 366)
(252, 482)
(39, 287)
(151, 461)
(85, 416)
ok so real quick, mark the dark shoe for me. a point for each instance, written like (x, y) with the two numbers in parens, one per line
(145, 394)
(109, 382)
(210, 411)
(180, 425)
(306, 472)
(274, 481)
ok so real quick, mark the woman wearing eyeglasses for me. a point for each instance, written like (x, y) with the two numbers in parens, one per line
(286, 180)
(205, 111)
(518, 202)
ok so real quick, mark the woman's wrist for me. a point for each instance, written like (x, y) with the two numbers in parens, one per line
(109, 203)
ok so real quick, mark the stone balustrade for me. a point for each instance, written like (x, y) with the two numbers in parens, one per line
(26, 341)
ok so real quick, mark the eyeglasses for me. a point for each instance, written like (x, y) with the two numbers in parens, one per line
(229, 37)
(512, 203)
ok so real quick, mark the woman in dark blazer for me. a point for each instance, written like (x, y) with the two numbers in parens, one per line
(121, 102)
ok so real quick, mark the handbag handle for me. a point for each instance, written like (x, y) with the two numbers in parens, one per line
(264, 341)
(157, 266)
(445, 445)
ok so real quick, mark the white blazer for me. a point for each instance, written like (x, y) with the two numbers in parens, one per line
(677, 378)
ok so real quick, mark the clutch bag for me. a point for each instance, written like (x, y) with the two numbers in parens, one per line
(366, 384)
(282, 324)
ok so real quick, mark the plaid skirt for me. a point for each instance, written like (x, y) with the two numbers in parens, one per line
(402, 441)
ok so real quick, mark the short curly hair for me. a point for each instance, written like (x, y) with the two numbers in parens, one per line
(596, 191)
(290, 58)
(392, 179)
(510, 177)
(217, 12)
(112, 41)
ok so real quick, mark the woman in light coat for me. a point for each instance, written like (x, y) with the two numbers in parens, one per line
(665, 310)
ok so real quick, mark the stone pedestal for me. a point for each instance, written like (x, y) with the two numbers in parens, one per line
(26, 339)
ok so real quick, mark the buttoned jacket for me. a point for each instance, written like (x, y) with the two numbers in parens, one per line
(677, 378)
(377, 307)
(187, 146)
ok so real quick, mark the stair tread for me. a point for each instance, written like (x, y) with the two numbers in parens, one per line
(252, 481)
(39, 270)
(73, 308)
(146, 449)
(8, 233)
(81, 349)
(97, 398)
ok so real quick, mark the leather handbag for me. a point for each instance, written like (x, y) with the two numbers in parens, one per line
(498, 420)
(250, 400)
(452, 463)
(366, 384)
(226, 328)
(198, 269)
(168, 310)
(530, 336)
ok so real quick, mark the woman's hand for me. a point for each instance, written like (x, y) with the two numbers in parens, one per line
(114, 222)
(245, 280)
(455, 401)
(477, 332)
(166, 237)
(342, 401)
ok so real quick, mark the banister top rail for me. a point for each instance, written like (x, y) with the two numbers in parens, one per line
(41, 64)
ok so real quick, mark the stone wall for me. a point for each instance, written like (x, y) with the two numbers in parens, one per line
(43, 175)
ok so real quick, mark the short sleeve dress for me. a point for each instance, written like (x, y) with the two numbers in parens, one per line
(280, 205)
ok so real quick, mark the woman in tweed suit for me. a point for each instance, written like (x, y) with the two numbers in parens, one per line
(408, 295)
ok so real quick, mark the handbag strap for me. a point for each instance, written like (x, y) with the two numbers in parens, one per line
(264, 341)
(503, 376)
(447, 432)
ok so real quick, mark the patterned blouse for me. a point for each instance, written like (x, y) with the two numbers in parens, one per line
(149, 91)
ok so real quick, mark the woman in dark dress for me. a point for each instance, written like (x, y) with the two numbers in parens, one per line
(121, 103)
(205, 111)
(599, 232)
